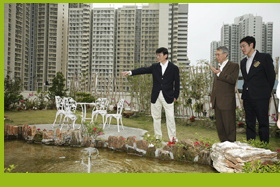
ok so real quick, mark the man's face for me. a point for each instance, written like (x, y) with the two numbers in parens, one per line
(161, 57)
(246, 48)
(220, 56)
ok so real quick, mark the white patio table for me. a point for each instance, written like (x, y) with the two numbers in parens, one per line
(84, 111)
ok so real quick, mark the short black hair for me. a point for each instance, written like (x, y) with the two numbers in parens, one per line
(249, 40)
(162, 50)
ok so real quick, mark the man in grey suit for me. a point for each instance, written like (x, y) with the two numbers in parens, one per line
(223, 95)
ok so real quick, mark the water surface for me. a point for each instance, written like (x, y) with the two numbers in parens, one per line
(40, 158)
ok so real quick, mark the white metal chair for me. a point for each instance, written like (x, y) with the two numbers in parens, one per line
(60, 109)
(100, 108)
(118, 115)
(70, 106)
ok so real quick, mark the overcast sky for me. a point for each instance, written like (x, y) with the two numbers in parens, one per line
(206, 20)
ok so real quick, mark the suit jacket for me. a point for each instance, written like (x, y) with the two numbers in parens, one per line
(260, 80)
(223, 91)
(169, 82)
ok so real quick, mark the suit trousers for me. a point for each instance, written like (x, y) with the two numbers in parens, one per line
(169, 113)
(225, 123)
(257, 109)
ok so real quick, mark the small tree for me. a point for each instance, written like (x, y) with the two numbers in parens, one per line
(12, 90)
(57, 88)
(185, 88)
(41, 99)
(200, 85)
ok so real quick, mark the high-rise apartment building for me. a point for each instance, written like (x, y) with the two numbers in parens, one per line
(268, 38)
(173, 24)
(16, 41)
(56, 41)
(103, 37)
(36, 42)
(246, 25)
(250, 25)
(182, 52)
(173, 32)
(125, 43)
(149, 33)
(79, 45)
(32, 46)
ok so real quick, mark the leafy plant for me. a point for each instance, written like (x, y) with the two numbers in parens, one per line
(185, 92)
(57, 88)
(153, 140)
(274, 131)
(9, 169)
(258, 144)
(92, 130)
(30, 102)
(198, 108)
(204, 143)
(12, 90)
(41, 99)
(239, 114)
(257, 167)
(84, 97)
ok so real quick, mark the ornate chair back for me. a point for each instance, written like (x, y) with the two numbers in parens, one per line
(120, 106)
(70, 105)
(59, 103)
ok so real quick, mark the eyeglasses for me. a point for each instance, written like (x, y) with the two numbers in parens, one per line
(218, 54)
(242, 46)
(160, 55)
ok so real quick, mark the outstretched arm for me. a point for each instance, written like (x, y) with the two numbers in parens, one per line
(125, 73)
(139, 71)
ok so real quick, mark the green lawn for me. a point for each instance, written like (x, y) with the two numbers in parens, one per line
(185, 129)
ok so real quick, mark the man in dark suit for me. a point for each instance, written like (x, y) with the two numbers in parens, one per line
(165, 91)
(259, 77)
(223, 95)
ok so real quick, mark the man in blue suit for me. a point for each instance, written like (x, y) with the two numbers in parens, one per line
(165, 91)
(259, 76)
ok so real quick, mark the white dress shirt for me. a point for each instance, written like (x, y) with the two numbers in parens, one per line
(222, 67)
(163, 67)
(249, 62)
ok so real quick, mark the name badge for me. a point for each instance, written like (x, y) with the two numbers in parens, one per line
(256, 64)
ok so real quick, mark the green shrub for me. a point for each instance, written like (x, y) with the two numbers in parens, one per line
(92, 129)
(12, 90)
(153, 140)
(258, 144)
(204, 143)
(57, 87)
(259, 168)
(84, 97)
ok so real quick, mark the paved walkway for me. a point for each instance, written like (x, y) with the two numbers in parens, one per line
(112, 131)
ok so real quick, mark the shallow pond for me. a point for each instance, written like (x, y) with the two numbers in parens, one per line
(39, 158)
